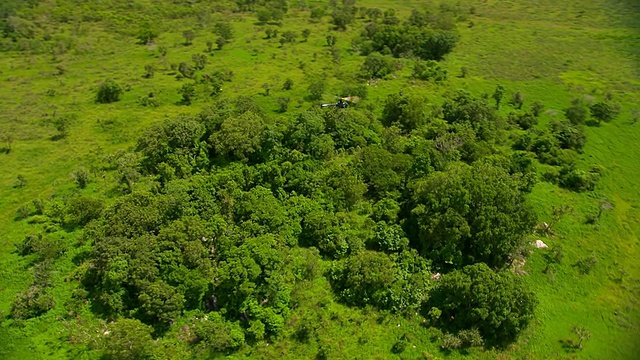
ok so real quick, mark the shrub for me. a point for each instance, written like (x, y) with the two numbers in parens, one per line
(188, 92)
(82, 209)
(429, 70)
(23, 212)
(536, 108)
(149, 70)
(376, 66)
(604, 111)
(81, 177)
(576, 113)
(577, 180)
(288, 84)
(31, 303)
(283, 102)
(450, 341)
(199, 60)
(108, 92)
(316, 90)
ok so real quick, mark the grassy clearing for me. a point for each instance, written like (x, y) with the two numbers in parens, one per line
(550, 51)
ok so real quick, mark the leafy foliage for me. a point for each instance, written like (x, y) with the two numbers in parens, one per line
(108, 92)
(496, 303)
(468, 215)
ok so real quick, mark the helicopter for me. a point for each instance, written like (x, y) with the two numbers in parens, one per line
(343, 102)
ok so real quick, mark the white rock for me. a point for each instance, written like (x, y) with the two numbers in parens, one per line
(541, 245)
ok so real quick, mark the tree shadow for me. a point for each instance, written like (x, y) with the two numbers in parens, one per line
(57, 137)
(569, 345)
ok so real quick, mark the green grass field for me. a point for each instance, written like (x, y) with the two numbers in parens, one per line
(550, 51)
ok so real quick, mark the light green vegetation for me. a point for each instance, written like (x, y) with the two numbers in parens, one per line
(550, 51)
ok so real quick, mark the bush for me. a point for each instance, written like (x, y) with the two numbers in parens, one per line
(288, 84)
(283, 102)
(31, 303)
(524, 120)
(82, 209)
(429, 70)
(586, 264)
(23, 212)
(376, 66)
(188, 92)
(149, 70)
(450, 341)
(400, 346)
(604, 111)
(576, 113)
(40, 205)
(577, 180)
(484, 292)
(108, 92)
(536, 108)
(81, 177)
(199, 61)
(316, 90)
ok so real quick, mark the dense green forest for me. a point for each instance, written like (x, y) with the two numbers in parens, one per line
(172, 187)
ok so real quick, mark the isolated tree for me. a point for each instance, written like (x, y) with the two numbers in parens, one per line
(188, 35)
(199, 60)
(108, 92)
(149, 70)
(288, 84)
(498, 95)
(188, 92)
(305, 34)
(582, 334)
(128, 339)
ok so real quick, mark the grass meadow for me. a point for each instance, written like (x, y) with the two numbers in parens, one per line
(551, 51)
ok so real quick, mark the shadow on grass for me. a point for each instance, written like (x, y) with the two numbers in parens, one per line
(569, 345)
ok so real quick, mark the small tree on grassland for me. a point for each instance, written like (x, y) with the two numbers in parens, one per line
(188, 35)
(582, 334)
(109, 92)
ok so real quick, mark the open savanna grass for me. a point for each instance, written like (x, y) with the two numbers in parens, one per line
(553, 53)
(550, 51)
